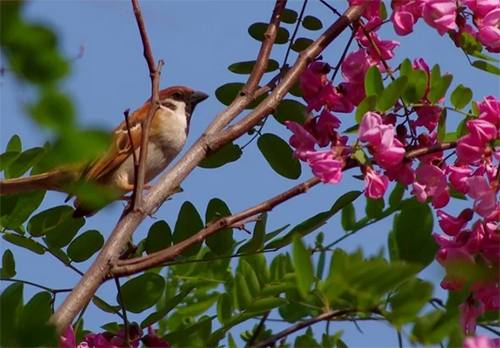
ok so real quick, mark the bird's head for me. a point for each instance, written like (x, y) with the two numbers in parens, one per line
(181, 97)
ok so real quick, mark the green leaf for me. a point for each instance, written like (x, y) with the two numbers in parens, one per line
(469, 43)
(200, 306)
(24, 161)
(250, 277)
(290, 110)
(24, 242)
(412, 233)
(368, 104)
(306, 341)
(265, 304)
(104, 306)
(301, 44)
(417, 84)
(312, 23)
(289, 16)
(169, 304)
(54, 110)
(435, 326)
(257, 31)
(34, 329)
(303, 266)
(188, 223)
(461, 96)
(258, 236)
(8, 265)
(226, 154)
(221, 243)
(142, 292)
(6, 159)
(348, 218)
(391, 94)
(246, 68)
(243, 294)
(85, 245)
(224, 308)
(373, 82)
(11, 305)
(14, 144)
(396, 195)
(439, 84)
(374, 207)
(279, 155)
(58, 225)
(314, 222)
(159, 237)
(408, 300)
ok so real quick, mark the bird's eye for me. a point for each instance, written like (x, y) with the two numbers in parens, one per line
(177, 96)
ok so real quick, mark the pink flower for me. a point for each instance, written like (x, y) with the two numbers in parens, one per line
(481, 7)
(325, 127)
(440, 14)
(469, 312)
(489, 31)
(301, 139)
(428, 117)
(469, 149)
(68, 339)
(355, 66)
(324, 166)
(333, 99)
(384, 48)
(485, 200)
(375, 184)
(452, 225)
(431, 182)
(353, 91)
(458, 177)
(481, 342)
(489, 110)
(401, 172)
(482, 130)
(405, 15)
(371, 11)
(368, 127)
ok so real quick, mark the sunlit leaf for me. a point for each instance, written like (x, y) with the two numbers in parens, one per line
(14, 144)
(373, 82)
(303, 266)
(461, 96)
(391, 94)
(188, 223)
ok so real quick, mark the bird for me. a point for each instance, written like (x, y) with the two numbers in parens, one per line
(116, 168)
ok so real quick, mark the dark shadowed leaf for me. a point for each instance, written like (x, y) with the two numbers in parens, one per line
(279, 155)
(348, 217)
(24, 161)
(258, 237)
(246, 67)
(226, 154)
(8, 265)
(257, 31)
(11, 305)
(142, 292)
(221, 242)
(24, 242)
(312, 23)
(188, 223)
(461, 96)
(104, 306)
(54, 110)
(303, 266)
(159, 237)
(85, 245)
(290, 110)
(374, 207)
(412, 234)
(34, 329)
(289, 16)
(301, 44)
(16, 209)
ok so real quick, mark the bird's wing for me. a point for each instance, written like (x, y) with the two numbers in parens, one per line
(125, 138)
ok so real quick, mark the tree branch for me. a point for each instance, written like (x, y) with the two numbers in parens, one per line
(139, 264)
(325, 316)
(168, 183)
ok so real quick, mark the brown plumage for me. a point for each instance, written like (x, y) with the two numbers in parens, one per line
(168, 133)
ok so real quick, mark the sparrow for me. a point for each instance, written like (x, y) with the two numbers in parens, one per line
(115, 168)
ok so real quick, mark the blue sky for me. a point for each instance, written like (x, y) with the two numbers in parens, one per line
(198, 40)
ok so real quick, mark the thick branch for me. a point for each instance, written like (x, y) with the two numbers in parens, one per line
(168, 183)
(127, 267)
(302, 325)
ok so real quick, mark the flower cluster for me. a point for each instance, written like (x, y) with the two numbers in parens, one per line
(111, 340)
(470, 249)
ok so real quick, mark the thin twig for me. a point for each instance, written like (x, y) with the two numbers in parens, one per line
(259, 328)
(53, 291)
(124, 312)
(325, 316)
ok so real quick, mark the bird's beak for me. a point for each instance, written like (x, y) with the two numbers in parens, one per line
(197, 97)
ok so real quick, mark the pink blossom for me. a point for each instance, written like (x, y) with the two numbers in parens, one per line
(469, 312)
(469, 149)
(458, 177)
(353, 91)
(489, 296)
(440, 14)
(489, 31)
(68, 339)
(371, 11)
(489, 110)
(375, 184)
(485, 200)
(401, 172)
(324, 166)
(428, 117)
(384, 48)
(481, 7)
(482, 130)
(405, 15)
(313, 79)
(301, 139)
(431, 182)
(333, 99)
(325, 127)
(452, 225)
(368, 127)
(355, 66)
(481, 342)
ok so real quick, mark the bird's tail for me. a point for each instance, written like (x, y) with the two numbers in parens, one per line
(55, 180)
